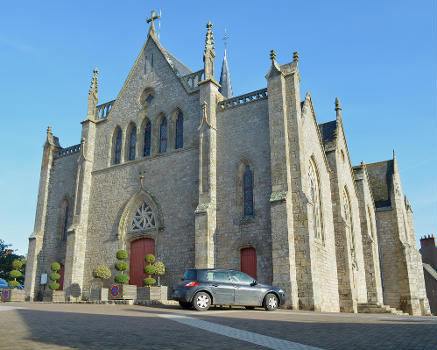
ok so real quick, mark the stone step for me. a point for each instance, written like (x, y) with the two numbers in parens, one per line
(374, 308)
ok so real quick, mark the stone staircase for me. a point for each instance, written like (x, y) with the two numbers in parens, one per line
(374, 308)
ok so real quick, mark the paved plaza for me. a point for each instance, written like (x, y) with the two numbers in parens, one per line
(93, 326)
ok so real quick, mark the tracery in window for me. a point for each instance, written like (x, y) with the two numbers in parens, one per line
(248, 191)
(179, 131)
(163, 135)
(144, 218)
(316, 202)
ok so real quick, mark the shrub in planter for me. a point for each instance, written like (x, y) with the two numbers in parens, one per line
(17, 265)
(55, 267)
(159, 270)
(150, 269)
(122, 267)
(150, 258)
(149, 281)
(101, 273)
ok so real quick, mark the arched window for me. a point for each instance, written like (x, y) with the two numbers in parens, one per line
(248, 191)
(349, 222)
(147, 138)
(143, 219)
(65, 222)
(117, 147)
(316, 202)
(179, 131)
(163, 136)
(132, 143)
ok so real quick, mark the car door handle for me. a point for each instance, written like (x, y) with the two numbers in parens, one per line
(215, 285)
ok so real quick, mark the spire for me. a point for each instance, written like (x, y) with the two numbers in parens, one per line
(94, 83)
(209, 54)
(152, 30)
(338, 108)
(225, 76)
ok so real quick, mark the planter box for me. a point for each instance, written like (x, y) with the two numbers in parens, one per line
(54, 296)
(99, 294)
(123, 292)
(152, 293)
(12, 295)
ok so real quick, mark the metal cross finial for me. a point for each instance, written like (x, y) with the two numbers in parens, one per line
(225, 38)
(152, 18)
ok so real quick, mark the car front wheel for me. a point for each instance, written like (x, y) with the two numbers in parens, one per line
(270, 302)
(202, 301)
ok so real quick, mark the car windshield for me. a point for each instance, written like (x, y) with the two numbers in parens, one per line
(2, 281)
(190, 275)
(241, 277)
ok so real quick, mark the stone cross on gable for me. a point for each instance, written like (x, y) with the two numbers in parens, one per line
(152, 18)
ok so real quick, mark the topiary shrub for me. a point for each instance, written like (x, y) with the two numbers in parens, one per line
(13, 284)
(17, 264)
(150, 258)
(149, 269)
(122, 266)
(55, 267)
(122, 279)
(159, 270)
(149, 281)
(55, 276)
(122, 254)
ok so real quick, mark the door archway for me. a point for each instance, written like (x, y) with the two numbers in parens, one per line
(138, 250)
(248, 261)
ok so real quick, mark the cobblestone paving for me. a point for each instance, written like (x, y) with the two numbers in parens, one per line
(80, 326)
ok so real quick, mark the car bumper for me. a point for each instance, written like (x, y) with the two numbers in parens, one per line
(184, 295)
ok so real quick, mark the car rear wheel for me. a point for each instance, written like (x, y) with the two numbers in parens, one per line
(184, 305)
(201, 301)
(270, 302)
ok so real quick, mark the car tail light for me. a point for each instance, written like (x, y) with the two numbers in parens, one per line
(192, 284)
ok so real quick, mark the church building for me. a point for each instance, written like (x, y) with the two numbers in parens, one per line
(179, 167)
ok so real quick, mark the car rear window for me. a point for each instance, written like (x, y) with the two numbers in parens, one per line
(218, 276)
(190, 275)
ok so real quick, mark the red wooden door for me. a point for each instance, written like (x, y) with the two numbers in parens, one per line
(138, 251)
(61, 279)
(248, 261)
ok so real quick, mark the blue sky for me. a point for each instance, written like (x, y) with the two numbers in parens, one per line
(378, 57)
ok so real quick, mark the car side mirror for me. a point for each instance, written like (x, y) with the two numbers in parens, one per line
(254, 283)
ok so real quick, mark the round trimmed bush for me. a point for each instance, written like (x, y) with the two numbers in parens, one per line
(149, 281)
(15, 274)
(122, 279)
(17, 264)
(102, 272)
(159, 268)
(54, 285)
(55, 276)
(55, 267)
(122, 254)
(149, 269)
(13, 284)
(150, 258)
(122, 266)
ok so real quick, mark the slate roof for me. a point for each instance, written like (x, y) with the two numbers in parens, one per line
(381, 180)
(328, 132)
(225, 79)
(180, 68)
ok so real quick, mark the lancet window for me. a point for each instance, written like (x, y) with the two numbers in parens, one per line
(248, 191)
(163, 136)
(315, 198)
(179, 131)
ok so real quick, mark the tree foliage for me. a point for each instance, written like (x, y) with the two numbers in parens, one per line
(103, 272)
(7, 258)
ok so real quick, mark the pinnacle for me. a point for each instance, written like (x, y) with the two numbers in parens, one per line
(337, 104)
(295, 56)
(272, 55)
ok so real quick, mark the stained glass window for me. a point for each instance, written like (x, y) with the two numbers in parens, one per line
(117, 151)
(163, 136)
(147, 139)
(248, 191)
(132, 143)
(179, 131)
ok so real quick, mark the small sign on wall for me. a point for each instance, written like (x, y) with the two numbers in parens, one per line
(43, 279)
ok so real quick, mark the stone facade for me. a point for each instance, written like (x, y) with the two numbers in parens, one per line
(253, 171)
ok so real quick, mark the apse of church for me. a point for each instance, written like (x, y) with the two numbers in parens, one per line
(177, 166)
